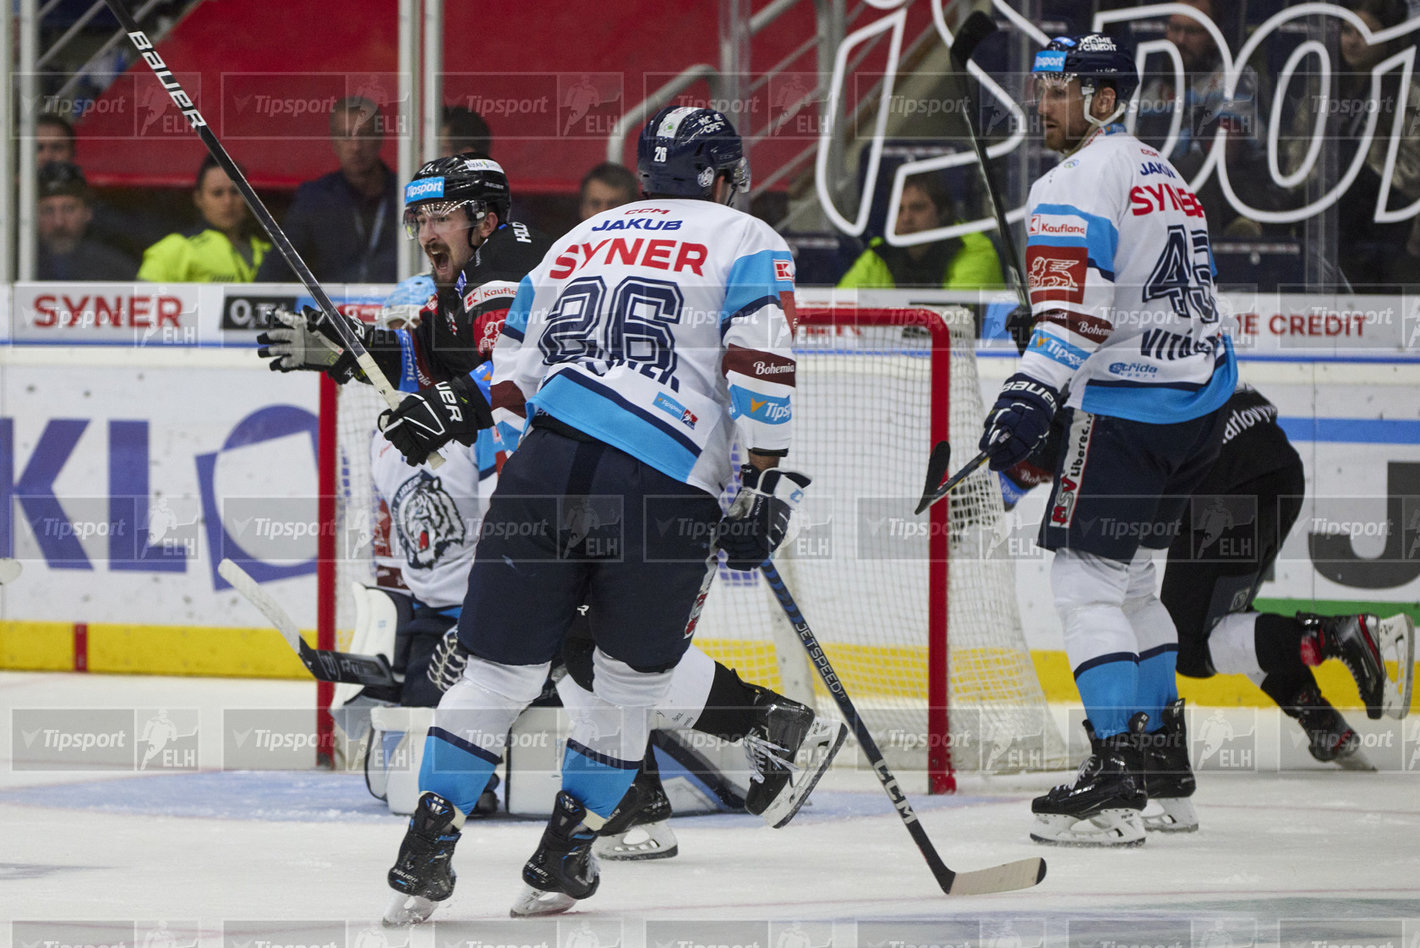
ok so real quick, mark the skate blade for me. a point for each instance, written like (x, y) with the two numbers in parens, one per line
(824, 740)
(1396, 641)
(1356, 760)
(407, 910)
(534, 902)
(646, 841)
(1109, 828)
(1170, 815)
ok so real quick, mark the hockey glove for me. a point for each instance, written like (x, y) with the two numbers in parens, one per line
(1018, 420)
(424, 422)
(303, 345)
(759, 518)
(1020, 323)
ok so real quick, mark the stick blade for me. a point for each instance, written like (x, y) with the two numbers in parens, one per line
(1008, 877)
(937, 464)
(969, 35)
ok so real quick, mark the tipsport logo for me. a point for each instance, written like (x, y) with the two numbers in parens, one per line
(424, 189)
(143, 739)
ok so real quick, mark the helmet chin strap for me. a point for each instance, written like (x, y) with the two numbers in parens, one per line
(1086, 101)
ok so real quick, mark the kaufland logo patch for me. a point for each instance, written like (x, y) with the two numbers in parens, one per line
(1049, 60)
(784, 270)
(424, 189)
(1056, 225)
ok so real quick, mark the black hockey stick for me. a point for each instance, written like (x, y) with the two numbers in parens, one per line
(936, 467)
(973, 30)
(184, 102)
(1021, 874)
(323, 664)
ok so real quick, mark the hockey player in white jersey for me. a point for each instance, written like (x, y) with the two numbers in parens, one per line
(1127, 341)
(648, 340)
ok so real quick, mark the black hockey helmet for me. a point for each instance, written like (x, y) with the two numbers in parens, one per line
(1094, 59)
(682, 150)
(470, 179)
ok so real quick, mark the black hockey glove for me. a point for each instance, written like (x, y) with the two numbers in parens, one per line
(1020, 323)
(1018, 420)
(426, 421)
(759, 518)
(308, 343)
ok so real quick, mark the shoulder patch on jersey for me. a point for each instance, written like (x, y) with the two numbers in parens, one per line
(1058, 225)
(1056, 274)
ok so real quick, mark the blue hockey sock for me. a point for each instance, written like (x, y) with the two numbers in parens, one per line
(455, 769)
(1107, 686)
(598, 781)
(1158, 683)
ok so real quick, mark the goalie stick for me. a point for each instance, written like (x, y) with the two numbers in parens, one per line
(149, 54)
(323, 664)
(1021, 874)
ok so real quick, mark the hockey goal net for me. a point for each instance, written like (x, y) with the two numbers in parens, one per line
(917, 614)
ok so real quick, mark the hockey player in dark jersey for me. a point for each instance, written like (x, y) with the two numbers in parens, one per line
(458, 209)
(1240, 515)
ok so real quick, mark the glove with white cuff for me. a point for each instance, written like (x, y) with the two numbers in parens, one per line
(758, 520)
(1018, 420)
(429, 419)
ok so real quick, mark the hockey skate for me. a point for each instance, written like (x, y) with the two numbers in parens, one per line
(1168, 777)
(422, 876)
(1366, 643)
(563, 871)
(639, 827)
(1103, 806)
(789, 748)
(1329, 738)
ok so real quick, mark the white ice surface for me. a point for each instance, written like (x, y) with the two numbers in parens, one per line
(256, 859)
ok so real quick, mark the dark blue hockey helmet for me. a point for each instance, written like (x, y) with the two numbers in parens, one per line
(1094, 59)
(682, 150)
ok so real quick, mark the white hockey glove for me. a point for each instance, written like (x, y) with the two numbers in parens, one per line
(303, 346)
(1018, 420)
(759, 518)
(426, 421)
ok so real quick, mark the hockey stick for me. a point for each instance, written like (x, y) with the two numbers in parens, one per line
(184, 102)
(323, 664)
(1021, 874)
(10, 570)
(974, 29)
(936, 467)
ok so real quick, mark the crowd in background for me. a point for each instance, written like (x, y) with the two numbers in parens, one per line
(345, 224)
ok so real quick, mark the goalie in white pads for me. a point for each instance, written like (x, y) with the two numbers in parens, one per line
(1126, 342)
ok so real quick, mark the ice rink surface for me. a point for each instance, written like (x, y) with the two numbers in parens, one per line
(1296, 856)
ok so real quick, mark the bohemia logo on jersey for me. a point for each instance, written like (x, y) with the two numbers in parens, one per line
(1057, 274)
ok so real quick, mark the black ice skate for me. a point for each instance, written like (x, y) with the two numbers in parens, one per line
(789, 748)
(421, 875)
(1103, 806)
(1168, 777)
(1329, 738)
(1365, 643)
(563, 871)
(639, 827)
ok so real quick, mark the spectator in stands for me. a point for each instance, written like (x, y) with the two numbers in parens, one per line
(54, 139)
(345, 225)
(63, 213)
(968, 262)
(463, 130)
(1206, 108)
(606, 186)
(221, 249)
(1373, 257)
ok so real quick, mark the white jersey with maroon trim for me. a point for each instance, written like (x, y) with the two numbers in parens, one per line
(662, 328)
(1120, 273)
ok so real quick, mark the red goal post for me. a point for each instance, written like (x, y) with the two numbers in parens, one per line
(917, 614)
